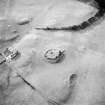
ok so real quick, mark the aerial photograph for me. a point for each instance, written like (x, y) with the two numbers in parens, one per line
(52, 52)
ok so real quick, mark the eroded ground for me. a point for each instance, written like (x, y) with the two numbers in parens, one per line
(77, 80)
